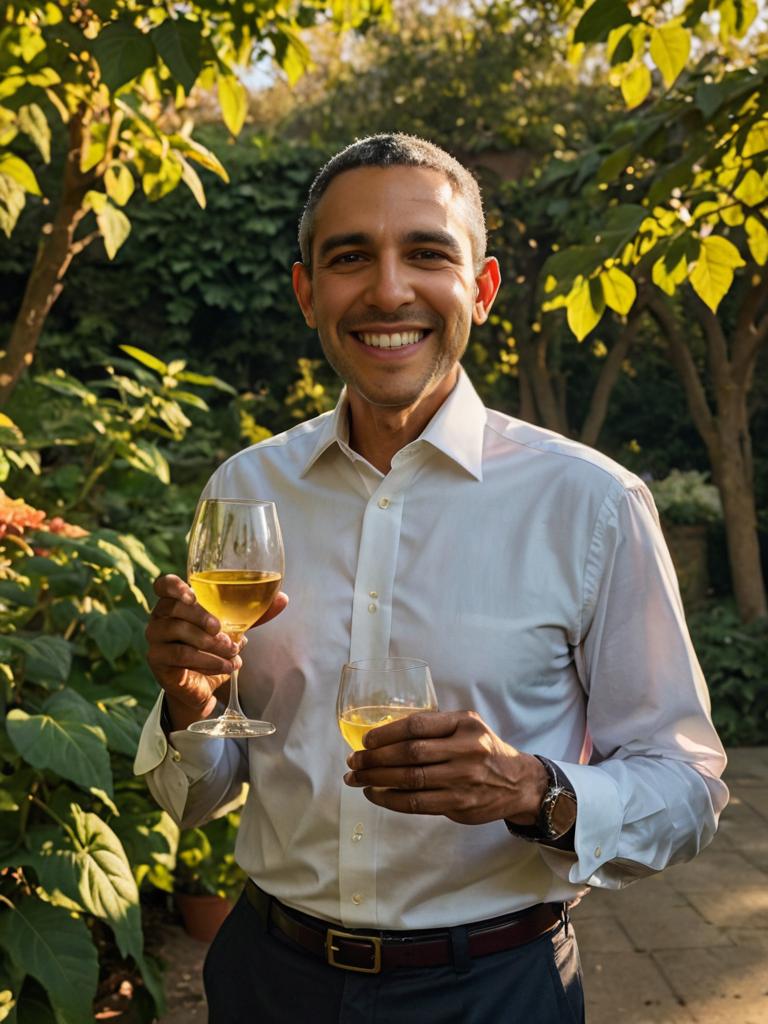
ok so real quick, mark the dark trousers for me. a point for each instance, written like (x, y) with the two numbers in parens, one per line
(253, 977)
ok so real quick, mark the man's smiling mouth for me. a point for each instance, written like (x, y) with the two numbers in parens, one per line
(398, 339)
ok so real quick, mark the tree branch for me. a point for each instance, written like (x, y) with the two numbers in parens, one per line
(606, 381)
(682, 360)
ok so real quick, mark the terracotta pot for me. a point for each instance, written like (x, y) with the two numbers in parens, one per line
(202, 915)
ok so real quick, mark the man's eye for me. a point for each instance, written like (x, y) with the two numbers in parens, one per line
(429, 254)
(346, 259)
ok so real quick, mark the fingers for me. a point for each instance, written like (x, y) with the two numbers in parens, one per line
(279, 603)
(420, 725)
(410, 777)
(426, 802)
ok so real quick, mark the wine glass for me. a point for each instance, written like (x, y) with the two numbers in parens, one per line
(235, 566)
(380, 690)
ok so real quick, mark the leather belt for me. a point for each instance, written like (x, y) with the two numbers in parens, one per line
(371, 953)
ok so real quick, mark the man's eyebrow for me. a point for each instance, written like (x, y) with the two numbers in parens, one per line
(442, 238)
(340, 241)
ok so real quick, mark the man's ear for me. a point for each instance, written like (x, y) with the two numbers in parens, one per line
(487, 286)
(302, 289)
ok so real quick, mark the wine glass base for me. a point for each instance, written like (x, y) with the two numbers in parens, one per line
(232, 727)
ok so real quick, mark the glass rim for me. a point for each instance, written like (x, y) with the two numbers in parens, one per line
(397, 664)
(235, 501)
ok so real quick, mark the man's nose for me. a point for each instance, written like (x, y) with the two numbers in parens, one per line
(389, 285)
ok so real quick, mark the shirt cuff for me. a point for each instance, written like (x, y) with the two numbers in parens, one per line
(598, 824)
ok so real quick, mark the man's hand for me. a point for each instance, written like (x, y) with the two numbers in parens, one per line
(188, 654)
(448, 763)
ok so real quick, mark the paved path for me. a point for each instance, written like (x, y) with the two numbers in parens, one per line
(689, 946)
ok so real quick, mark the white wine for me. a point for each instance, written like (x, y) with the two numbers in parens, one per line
(237, 597)
(356, 722)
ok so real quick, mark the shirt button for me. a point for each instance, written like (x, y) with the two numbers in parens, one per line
(357, 835)
(357, 898)
(383, 502)
(598, 851)
(175, 755)
(373, 593)
(371, 607)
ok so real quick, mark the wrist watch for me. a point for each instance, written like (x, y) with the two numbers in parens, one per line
(557, 811)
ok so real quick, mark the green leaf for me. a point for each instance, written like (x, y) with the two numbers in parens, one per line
(635, 85)
(144, 357)
(615, 163)
(670, 46)
(56, 949)
(599, 18)
(178, 41)
(146, 457)
(12, 200)
(111, 631)
(233, 99)
(47, 659)
(114, 227)
(119, 183)
(757, 240)
(162, 178)
(585, 306)
(712, 274)
(117, 716)
(20, 171)
(203, 380)
(668, 278)
(32, 121)
(122, 52)
(619, 290)
(621, 225)
(62, 744)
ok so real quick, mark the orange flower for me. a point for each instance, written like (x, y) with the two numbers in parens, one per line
(58, 525)
(16, 516)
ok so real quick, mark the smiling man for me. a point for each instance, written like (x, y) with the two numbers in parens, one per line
(429, 876)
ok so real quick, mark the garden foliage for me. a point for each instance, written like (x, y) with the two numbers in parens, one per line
(78, 833)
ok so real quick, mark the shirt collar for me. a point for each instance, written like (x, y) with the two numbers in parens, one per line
(457, 429)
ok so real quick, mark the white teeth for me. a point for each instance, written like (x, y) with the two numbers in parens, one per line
(391, 340)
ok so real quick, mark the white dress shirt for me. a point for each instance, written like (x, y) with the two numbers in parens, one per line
(531, 574)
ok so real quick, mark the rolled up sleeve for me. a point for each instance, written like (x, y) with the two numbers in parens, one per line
(191, 776)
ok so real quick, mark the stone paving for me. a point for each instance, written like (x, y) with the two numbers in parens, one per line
(689, 946)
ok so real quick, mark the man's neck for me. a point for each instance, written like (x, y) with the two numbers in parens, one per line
(378, 433)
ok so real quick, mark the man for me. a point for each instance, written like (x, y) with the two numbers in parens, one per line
(428, 879)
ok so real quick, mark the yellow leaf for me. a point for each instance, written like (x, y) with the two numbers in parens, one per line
(751, 190)
(731, 214)
(635, 85)
(119, 184)
(191, 179)
(668, 280)
(114, 227)
(619, 290)
(670, 46)
(757, 240)
(20, 171)
(707, 212)
(233, 100)
(757, 140)
(712, 274)
(585, 306)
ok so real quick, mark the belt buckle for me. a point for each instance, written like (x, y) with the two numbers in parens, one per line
(331, 950)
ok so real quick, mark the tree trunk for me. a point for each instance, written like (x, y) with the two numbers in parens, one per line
(606, 382)
(726, 431)
(54, 255)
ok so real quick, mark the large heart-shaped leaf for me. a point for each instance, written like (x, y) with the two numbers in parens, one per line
(60, 741)
(56, 949)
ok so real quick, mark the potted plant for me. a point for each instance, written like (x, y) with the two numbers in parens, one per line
(207, 880)
(687, 504)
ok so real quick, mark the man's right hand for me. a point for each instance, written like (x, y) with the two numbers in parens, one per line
(188, 654)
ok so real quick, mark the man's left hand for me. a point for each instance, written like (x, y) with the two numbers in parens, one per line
(449, 763)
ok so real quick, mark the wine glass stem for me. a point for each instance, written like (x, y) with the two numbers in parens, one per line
(233, 709)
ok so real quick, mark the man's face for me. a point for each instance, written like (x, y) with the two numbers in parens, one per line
(393, 291)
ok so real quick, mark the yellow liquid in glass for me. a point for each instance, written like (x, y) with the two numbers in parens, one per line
(356, 722)
(237, 597)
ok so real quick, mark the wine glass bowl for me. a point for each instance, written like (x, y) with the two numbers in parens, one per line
(235, 566)
(376, 691)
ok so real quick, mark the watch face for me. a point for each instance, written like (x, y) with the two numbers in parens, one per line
(563, 814)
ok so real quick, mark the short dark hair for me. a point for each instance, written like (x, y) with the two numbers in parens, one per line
(395, 149)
